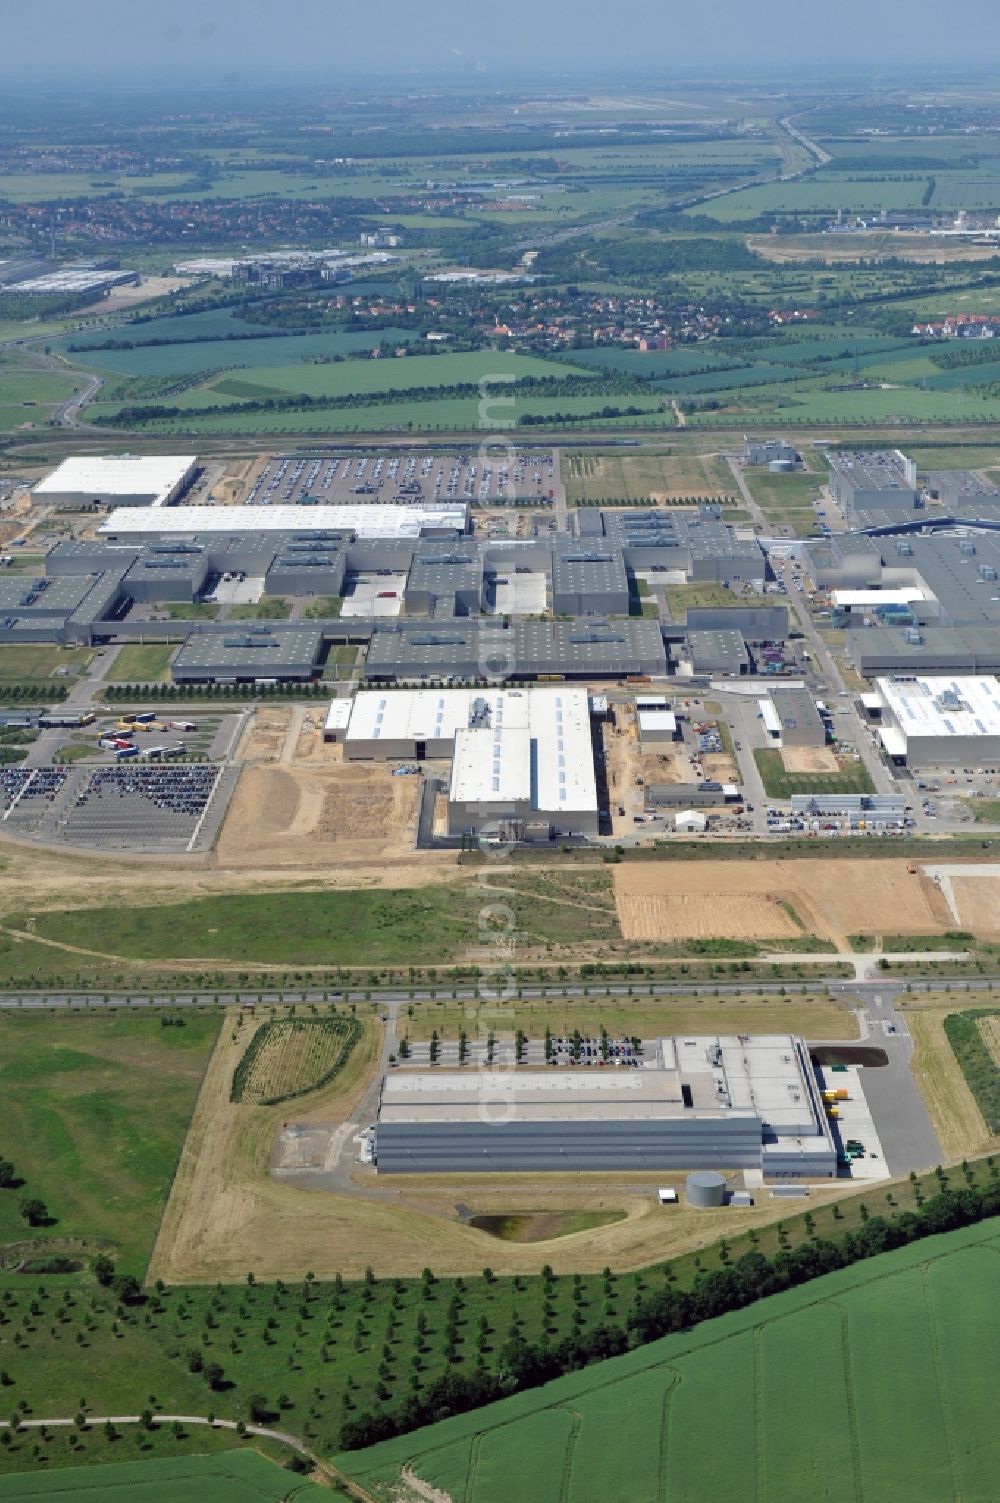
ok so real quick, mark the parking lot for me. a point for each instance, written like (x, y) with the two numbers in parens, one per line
(854, 1124)
(402, 478)
(159, 809)
(28, 795)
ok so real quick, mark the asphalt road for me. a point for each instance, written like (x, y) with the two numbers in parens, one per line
(391, 999)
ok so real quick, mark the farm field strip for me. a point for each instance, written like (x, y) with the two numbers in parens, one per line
(784, 1400)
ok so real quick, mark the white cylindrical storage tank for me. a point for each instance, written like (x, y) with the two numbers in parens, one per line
(705, 1188)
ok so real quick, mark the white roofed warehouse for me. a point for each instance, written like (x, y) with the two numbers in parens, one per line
(111, 480)
(941, 722)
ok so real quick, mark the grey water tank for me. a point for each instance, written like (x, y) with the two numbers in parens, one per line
(706, 1188)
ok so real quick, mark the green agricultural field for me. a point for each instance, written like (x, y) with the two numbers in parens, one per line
(94, 1116)
(787, 1400)
(228, 1476)
(449, 414)
(821, 194)
(141, 663)
(219, 354)
(778, 783)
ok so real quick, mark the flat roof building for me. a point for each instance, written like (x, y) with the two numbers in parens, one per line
(118, 480)
(941, 722)
(130, 524)
(589, 579)
(864, 478)
(524, 767)
(721, 652)
(471, 650)
(731, 1102)
(252, 652)
(799, 721)
(449, 572)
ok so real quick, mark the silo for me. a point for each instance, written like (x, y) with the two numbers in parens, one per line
(705, 1188)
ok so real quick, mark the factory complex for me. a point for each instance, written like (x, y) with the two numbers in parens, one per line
(522, 759)
(733, 1102)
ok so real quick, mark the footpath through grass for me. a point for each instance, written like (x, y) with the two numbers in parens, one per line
(877, 1381)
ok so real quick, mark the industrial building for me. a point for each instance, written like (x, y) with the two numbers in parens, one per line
(522, 759)
(251, 653)
(762, 625)
(441, 519)
(864, 478)
(940, 722)
(523, 767)
(469, 651)
(722, 653)
(589, 580)
(451, 575)
(700, 548)
(732, 1102)
(118, 480)
(63, 609)
(656, 721)
(796, 718)
(776, 452)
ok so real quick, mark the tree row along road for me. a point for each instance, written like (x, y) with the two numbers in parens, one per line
(581, 991)
(331, 1473)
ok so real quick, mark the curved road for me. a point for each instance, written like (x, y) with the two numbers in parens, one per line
(332, 1473)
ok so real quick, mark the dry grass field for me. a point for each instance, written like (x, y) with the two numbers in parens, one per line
(958, 1122)
(681, 915)
(809, 759)
(833, 899)
(978, 903)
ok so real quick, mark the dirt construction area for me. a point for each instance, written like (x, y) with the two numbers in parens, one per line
(978, 902)
(741, 899)
(302, 816)
(809, 759)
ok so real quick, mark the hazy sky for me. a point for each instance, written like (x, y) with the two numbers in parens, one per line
(506, 38)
